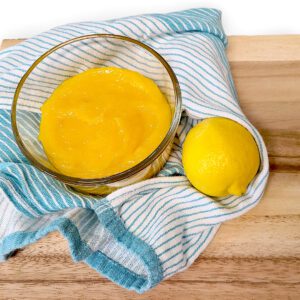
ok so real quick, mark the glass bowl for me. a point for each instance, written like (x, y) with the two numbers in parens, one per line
(70, 58)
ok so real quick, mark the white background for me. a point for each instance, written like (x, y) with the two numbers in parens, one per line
(24, 18)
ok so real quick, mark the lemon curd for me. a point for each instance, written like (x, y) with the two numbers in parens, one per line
(103, 121)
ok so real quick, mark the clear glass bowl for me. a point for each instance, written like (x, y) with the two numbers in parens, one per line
(68, 59)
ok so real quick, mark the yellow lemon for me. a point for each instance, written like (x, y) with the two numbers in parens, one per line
(220, 157)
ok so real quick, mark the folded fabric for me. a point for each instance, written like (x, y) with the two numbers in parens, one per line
(144, 233)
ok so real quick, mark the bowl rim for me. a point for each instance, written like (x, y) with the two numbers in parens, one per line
(88, 182)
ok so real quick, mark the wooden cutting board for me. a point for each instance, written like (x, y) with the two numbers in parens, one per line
(256, 256)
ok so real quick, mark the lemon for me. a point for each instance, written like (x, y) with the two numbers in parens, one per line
(220, 157)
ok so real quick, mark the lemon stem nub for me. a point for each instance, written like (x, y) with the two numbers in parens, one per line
(236, 189)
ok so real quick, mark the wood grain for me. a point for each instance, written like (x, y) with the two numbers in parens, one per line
(264, 48)
(256, 256)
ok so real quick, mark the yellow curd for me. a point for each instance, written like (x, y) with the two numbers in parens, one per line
(103, 121)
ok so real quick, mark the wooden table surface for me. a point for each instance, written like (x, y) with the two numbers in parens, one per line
(256, 256)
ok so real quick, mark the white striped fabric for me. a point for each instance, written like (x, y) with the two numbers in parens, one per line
(144, 233)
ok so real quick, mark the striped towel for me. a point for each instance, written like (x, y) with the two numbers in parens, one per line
(141, 234)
